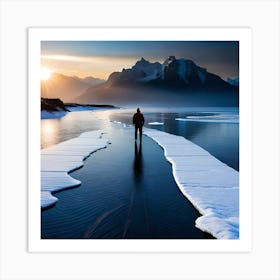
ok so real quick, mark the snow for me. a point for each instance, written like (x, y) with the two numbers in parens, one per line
(183, 70)
(124, 125)
(211, 119)
(187, 67)
(58, 160)
(151, 76)
(210, 185)
(201, 72)
(51, 181)
(234, 81)
(116, 122)
(47, 199)
(156, 123)
(151, 70)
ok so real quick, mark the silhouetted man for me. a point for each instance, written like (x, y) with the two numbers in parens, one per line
(138, 121)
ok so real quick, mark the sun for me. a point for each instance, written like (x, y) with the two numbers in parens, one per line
(45, 73)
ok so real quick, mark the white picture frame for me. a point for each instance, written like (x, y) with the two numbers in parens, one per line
(243, 36)
(261, 262)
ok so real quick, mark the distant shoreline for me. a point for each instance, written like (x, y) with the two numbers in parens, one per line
(91, 105)
(54, 108)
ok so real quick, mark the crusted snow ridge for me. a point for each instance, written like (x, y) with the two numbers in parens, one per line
(210, 185)
(58, 160)
(218, 118)
(156, 123)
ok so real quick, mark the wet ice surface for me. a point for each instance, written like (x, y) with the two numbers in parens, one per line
(127, 191)
(220, 136)
(57, 161)
(210, 185)
(52, 115)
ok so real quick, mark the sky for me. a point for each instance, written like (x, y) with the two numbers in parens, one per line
(100, 58)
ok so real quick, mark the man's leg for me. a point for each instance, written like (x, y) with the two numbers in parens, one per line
(140, 131)
(135, 132)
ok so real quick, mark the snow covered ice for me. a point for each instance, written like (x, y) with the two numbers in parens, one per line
(156, 123)
(219, 118)
(210, 185)
(58, 160)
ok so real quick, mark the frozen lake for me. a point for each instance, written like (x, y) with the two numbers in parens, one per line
(214, 129)
(128, 191)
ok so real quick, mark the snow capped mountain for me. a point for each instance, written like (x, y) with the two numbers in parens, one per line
(183, 70)
(175, 81)
(142, 71)
(148, 71)
(172, 72)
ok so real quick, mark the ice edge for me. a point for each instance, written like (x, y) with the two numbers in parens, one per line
(210, 185)
(58, 160)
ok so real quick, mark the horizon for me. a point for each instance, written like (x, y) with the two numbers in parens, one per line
(99, 59)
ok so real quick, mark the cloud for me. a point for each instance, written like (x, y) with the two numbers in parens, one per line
(99, 67)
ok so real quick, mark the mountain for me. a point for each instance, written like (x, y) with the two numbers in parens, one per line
(175, 81)
(91, 81)
(173, 73)
(233, 82)
(65, 87)
(142, 72)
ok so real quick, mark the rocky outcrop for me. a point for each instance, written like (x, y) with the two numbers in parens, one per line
(52, 105)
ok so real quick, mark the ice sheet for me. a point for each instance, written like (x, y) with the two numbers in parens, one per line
(53, 181)
(210, 185)
(57, 161)
(47, 199)
(211, 119)
(124, 125)
(156, 123)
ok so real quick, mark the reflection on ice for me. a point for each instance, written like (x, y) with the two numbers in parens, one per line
(138, 162)
(49, 130)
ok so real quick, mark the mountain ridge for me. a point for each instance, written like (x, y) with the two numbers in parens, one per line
(66, 87)
(175, 81)
(177, 73)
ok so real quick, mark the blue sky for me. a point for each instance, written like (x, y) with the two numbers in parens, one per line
(101, 58)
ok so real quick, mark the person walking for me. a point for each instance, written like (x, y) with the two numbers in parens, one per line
(138, 121)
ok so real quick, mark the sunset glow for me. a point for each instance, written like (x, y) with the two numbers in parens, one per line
(45, 73)
(101, 58)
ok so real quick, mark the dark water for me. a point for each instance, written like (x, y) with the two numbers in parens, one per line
(127, 191)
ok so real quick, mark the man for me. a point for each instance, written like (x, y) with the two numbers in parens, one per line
(138, 121)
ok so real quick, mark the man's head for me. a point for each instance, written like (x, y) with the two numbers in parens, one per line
(138, 110)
